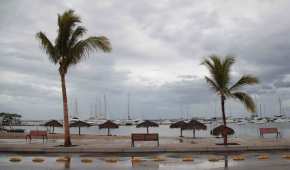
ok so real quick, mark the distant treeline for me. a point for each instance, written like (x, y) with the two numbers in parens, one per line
(9, 118)
(7, 114)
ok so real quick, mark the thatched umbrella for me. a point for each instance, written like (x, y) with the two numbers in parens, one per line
(109, 125)
(222, 130)
(79, 124)
(179, 124)
(53, 123)
(147, 124)
(195, 125)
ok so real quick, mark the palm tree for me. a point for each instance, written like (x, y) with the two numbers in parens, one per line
(69, 49)
(220, 80)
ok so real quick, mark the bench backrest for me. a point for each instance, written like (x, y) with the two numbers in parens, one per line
(268, 130)
(144, 136)
(38, 133)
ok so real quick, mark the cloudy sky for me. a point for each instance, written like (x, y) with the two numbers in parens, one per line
(157, 50)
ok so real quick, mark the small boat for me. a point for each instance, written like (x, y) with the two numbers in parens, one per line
(259, 120)
(74, 119)
(15, 130)
(128, 122)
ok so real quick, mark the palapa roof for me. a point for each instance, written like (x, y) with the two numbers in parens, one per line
(54, 123)
(194, 124)
(80, 124)
(219, 130)
(147, 123)
(109, 124)
(179, 124)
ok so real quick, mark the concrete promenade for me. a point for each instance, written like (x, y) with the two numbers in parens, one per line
(87, 144)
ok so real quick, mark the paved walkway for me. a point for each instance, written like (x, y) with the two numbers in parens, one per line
(105, 144)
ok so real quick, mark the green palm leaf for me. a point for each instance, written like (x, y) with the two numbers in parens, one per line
(48, 47)
(244, 80)
(83, 48)
(212, 84)
(246, 100)
(76, 35)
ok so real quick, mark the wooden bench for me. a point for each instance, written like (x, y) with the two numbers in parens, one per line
(36, 133)
(269, 130)
(144, 137)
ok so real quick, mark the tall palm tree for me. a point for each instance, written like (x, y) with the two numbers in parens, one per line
(69, 49)
(220, 82)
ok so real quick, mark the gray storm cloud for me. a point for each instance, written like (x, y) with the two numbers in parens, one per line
(157, 50)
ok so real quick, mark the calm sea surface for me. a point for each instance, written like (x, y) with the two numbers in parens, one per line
(245, 130)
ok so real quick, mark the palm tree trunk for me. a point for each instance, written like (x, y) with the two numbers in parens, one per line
(193, 131)
(147, 130)
(67, 141)
(79, 131)
(225, 136)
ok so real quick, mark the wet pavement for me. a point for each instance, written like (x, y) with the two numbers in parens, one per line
(274, 160)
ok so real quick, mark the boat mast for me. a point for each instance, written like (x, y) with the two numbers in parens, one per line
(96, 108)
(129, 118)
(76, 108)
(280, 106)
(91, 110)
(260, 110)
(105, 106)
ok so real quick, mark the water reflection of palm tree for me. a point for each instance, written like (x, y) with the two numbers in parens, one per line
(67, 163)
(226, 161)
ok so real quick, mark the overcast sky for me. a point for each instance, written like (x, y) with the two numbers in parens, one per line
(157, 50)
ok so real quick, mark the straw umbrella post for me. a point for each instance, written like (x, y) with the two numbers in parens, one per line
(79, 124)
(53, 123)
(147, 124)
(179, 124)
(109, 125)
(195, 125)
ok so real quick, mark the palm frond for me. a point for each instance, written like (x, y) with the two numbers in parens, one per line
(219, 70)
(66, 23)
(226, 69)
(83, 48)
(244, 80)
(212, 84)
(246, 100)
(76, 35)
(100, 42)
(48, 47)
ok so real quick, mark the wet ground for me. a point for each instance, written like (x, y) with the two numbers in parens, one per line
(274, 160)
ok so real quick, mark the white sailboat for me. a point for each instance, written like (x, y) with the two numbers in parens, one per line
(75, 117)
(280, 118)
(100, 115)
(129, 121)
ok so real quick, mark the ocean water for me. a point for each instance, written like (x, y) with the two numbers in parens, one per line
(245, 130)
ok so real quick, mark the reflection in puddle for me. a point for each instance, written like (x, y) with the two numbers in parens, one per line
(169, 161)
